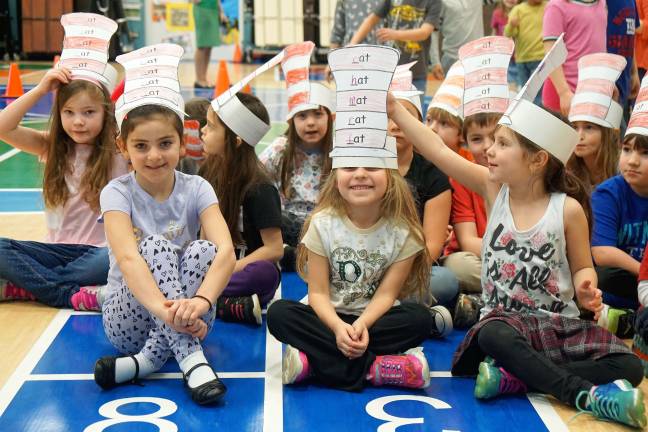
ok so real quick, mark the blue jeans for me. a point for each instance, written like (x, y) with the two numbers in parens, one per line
(52, 272)
(524, 71)
(443, 286)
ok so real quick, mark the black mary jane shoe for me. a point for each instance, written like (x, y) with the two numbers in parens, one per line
(104, 372)
(207, 393)
(200, 86)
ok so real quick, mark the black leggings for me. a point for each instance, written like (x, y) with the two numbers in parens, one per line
(514, 353)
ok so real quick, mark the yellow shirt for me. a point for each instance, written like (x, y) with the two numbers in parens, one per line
(528, 32)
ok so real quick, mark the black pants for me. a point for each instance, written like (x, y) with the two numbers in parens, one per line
(619, 287)
(401, 328)
(514, 353)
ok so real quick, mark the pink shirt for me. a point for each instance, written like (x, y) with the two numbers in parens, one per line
(499, 21)
(584, 26)
(75, 222)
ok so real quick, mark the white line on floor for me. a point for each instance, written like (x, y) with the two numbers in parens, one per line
(21, 373)
(167, 375)
(547, 413)
(11, 153)
(273, 390)
(21, 190)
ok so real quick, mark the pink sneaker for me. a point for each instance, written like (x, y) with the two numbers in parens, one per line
(409, 370)
(12, 292)
(295, 366)
(86, 299)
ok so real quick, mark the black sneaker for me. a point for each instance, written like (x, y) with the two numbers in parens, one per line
(239, 309)
(467, 310)
(620, 322)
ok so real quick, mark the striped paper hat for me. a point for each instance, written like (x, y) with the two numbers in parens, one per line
(449, 96)
(638, 123)
(592, 102)
(535, 123)
(302, 93)
(362, 75)
(485, 62)
(85, 48)
(151, 79)
(402, 88)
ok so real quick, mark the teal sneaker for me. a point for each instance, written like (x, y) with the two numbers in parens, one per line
(493, 381)
(617, 401)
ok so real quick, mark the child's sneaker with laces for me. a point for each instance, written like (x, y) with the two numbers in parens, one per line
(88, 298)
(442, 321)
(9, 291)
(467, 310)
(619, 322)
(295, 366)
(409, 370)
(245, 309)
(493, 381)
(617, 401)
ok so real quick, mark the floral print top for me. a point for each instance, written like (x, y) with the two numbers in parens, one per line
(305, 182)
(527, 271)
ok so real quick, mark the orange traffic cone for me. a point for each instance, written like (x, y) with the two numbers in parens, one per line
(222, 80)
(238, 55)
(14, 84)
(57, 58)
(247, 89)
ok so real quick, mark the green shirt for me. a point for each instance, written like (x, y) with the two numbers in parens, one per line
(528, 33)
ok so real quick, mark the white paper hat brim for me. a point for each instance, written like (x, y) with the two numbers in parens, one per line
(122, 109)
(241, 120)
(542, 128)
(353, 157)
(411, 97)
(612, 120)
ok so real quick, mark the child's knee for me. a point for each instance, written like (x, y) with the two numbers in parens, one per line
(278, 314)
(203, 248)
(494, 337)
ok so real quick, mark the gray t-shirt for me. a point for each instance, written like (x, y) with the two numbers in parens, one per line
(349, 14)
(177, 218)
(408, 15)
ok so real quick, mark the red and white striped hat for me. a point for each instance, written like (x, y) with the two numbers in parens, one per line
(85, 48)
(485, 62)
(638, 123)
(302, 93)
(449, 96)
(592, 102)
(151, 79)
(402, 88)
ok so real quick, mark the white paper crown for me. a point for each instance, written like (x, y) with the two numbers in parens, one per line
(534, 123)
(638, 123)
(362, 75)
(592, 102)
(235, 115)
(485, 62)
(402, 88)
(85, 48)
(449, 96)
(151, 79)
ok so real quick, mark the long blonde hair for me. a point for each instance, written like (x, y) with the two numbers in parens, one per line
(396, 206)
(60, 149)
(607, 159)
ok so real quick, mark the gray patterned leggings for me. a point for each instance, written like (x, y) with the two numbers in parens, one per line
(132, 329)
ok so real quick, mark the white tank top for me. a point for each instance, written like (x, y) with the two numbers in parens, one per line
(527, 271)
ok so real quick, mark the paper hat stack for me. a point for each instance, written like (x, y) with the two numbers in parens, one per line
(485, 62)
(85, 48)
(362, 75)
(449, 96)
(592, 102)
(402, 87)
(638, 123)
(534, 123)
(302, 94)
(151, 79)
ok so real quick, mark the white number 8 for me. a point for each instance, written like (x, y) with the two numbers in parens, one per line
(113, 417)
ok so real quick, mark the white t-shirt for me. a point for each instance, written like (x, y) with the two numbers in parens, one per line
(358, 258)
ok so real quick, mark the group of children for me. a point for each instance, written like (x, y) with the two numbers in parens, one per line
(164, 253)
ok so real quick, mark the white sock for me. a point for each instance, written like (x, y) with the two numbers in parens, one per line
(201, 374)
(125, 368)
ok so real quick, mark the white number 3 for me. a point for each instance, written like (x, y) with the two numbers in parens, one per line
(113, 417)
(376, 409)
